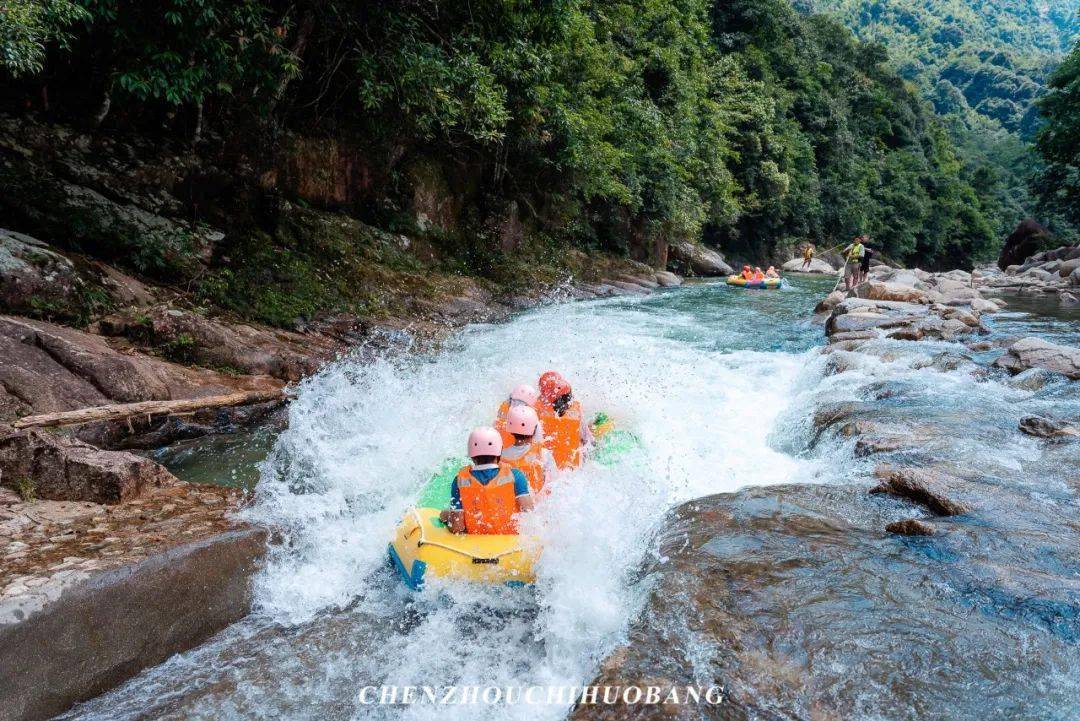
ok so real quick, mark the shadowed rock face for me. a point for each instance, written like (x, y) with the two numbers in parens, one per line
(695, 259)
(1028, 238)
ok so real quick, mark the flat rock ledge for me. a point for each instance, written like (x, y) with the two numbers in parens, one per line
(90, 594)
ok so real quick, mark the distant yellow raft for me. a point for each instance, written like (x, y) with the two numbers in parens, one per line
(770, 283)
(423, 546)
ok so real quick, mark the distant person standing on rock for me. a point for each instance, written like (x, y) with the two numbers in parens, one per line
(853, 255)
(864, 264)
(807, 256)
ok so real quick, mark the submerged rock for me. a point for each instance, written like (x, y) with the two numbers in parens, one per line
(925, 488)
(1047, 428)
(910, 527)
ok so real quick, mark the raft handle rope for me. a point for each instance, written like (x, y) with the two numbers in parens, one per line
(484, 559)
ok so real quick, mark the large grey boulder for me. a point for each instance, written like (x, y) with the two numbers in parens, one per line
(1038, 353)
(817, 265)
(697, 259)
(889, 291)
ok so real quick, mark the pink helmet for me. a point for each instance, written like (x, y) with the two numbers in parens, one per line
(485, 441)
(522, 420)
(526, 394)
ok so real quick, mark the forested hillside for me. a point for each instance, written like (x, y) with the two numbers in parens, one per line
(983, 64)
(611, 125)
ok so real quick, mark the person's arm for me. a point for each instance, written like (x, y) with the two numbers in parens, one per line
(522, 492)
(454, 517)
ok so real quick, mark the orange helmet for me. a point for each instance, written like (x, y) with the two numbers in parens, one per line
(552, 386)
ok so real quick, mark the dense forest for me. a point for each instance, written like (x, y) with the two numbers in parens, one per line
(616, 126)
(983, 64)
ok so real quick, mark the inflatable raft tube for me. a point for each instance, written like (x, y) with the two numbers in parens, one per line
(424, 546)
(740, 282)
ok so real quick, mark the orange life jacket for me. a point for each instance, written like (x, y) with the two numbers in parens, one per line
(562, 434)
(489, 508)
(500, 424)
(531, 464)
(759, 276)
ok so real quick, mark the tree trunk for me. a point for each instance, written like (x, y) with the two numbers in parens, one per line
(120, 411)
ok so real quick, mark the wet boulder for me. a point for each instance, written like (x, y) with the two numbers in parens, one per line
(1027, 239)
(1038, 353)
(667, 279)
(696, 259)
(1066, 268)
(1047, 428)
(830, 301)
(926, 488)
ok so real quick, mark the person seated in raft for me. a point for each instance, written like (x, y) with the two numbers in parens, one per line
(527, 453)
(746, 274)
(771, 273)
(566, 431)
(486, 496)
(524, 396)
(758, 273)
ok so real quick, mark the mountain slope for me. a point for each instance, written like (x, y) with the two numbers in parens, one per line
(983, 61)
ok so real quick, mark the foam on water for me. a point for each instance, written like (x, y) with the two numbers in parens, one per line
(363, 439)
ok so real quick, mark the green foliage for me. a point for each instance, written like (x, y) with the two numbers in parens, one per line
(985, 61)
(26, 488)
(180, 349)
(1058, 184)
(183, 51)
(609, 123)
(28, 26)
(983, 64)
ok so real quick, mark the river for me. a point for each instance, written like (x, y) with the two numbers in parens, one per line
(719, 384)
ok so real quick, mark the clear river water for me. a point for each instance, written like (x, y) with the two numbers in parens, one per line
(721, 386)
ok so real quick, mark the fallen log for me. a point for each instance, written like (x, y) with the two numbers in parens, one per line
(121, 411)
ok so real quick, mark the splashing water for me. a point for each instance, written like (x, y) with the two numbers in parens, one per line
(700, 376)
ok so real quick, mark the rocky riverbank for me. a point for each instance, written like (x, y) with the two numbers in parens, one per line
(863, 597)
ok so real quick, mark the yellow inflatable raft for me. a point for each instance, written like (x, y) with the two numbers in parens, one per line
(770, 283)
(424, 546)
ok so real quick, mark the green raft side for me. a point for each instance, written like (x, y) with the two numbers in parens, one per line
(436, 494)
(608, 451)
(615, 444)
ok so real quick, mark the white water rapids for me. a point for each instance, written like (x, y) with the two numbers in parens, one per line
(719, 386)
(679, 371)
